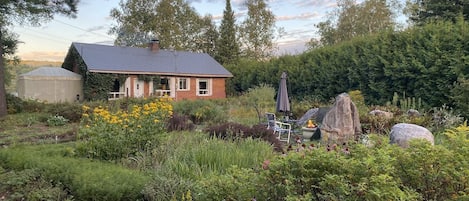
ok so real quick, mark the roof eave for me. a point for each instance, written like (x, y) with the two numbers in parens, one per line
(162, 73)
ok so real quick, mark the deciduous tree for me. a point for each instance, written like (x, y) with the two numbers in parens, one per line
(175, 23)
(258, 30)
(351, 19)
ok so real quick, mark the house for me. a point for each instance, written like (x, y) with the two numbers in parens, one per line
(50, 84)
(114, 72)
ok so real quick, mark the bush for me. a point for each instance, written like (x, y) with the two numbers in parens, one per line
(235, 130)
(85, 179)
(28, 184)
(56, 120)
(201, 111)
(110, 135)
(14, 104)
(179, 122)
(70, 111)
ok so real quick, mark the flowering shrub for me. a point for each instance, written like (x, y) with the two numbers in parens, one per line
(111, 135)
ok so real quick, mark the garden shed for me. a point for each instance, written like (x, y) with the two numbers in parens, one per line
(50, 84)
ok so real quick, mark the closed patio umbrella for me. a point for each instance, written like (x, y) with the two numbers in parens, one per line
(283, 102)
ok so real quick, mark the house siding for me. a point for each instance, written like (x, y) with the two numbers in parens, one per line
(218, 90)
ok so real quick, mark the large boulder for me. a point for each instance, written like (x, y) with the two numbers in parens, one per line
(402, 133)
(342, 122)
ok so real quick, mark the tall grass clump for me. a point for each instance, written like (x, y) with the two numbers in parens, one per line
(111, 135)
(186, 158)
(200, 158)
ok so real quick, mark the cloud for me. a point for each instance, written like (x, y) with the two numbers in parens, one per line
(301, 16)
(98, 28)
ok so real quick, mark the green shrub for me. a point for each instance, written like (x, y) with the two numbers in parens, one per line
(236, 184)
(85, 179)
(460, 96)
(166, 185)
(56, 120)
(14, 104)
(201, 111)
(28, 184)
(232, 131)
(70, 111)
(179, 122)
(111, 135)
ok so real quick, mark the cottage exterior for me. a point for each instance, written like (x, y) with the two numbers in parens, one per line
(50, 84)
(144, 72)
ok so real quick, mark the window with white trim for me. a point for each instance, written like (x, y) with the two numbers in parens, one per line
(183, 84)
(204, 87)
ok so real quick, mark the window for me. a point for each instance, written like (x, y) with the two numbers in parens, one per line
(204, 87)
(183, 84)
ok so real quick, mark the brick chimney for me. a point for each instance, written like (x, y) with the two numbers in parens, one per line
(154, 45)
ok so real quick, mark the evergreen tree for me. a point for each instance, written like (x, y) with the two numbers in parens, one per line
(25, 11)
(422, 11)
(227, 44)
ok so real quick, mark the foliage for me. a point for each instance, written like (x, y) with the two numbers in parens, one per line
(460, 96)
(233, 131)
(227, 44)
(257, 31)
(443, 118)
(85, 179)
(112, 135)
(28, 184)
(186, 158)
(425, 11)
(184, 29)
(201, 111)
(235, 184)
(352, 19)
(261, 98)
(57, 120)
(179, 123)
(424, 62)
(70, 111)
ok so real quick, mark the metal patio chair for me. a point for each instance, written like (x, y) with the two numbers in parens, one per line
(281, 129)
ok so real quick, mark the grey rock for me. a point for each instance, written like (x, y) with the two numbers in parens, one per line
(413, 113)
(380, 113)
(402, 133)
(342, 122)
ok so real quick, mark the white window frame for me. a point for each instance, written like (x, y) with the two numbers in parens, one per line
(208, 91)
(188, 85)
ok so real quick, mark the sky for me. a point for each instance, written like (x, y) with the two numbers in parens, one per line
(51, 40)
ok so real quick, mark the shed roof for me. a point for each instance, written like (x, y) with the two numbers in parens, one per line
(134, 60)
(51, 72)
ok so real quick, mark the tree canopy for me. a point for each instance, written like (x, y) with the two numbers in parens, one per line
(352, 19)
(174, 23)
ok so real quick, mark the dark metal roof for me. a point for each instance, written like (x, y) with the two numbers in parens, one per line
(133, 60)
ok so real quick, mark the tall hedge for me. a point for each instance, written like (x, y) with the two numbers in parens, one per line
(423, 62)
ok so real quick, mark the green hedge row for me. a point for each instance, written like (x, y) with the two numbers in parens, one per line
(85, 179)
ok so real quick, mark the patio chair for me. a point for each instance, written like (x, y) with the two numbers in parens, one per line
(281, 130)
